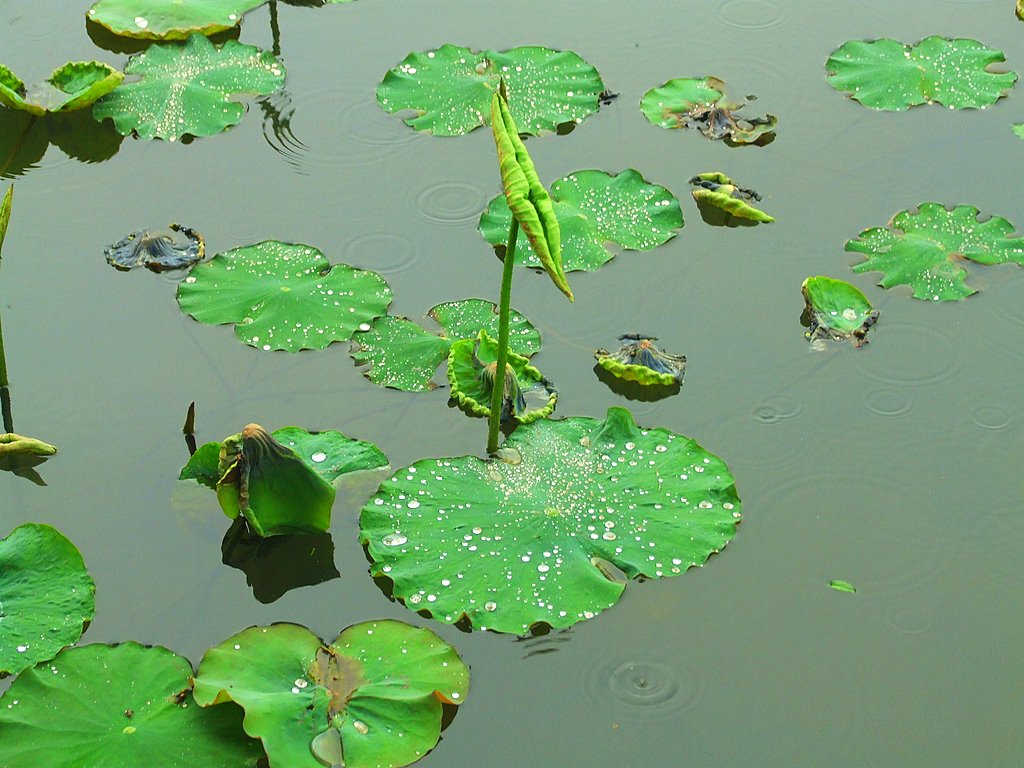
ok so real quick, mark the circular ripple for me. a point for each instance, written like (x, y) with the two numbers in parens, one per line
(911, 619)
(451, 202)
(750, 14)
(383, 252)
(992, 417)
(1008, 297)
(777, 408)
(911, 354)
(644, 689)
(887, 402)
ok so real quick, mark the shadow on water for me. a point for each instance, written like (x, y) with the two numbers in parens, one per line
(716, 217)
(631, 390)
(24, 139)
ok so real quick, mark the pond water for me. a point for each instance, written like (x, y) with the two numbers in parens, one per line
(895, 467)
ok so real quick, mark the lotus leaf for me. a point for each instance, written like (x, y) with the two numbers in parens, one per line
(404, 356)
(177, 247)
(688, 102)
(1018, 129)
(5, 214)
(842, 586)
(46, 597)
(593, 208)
(837, 310)
(188, 89)
(720, 191)
(18, 445)
(472, 367)
(284, 296)
(73, 86)
(169, 19)
(887, 74)
(450, 88)
(639, 360)
(371, 698)
(508, 544)
(118, 706)
(926, 249)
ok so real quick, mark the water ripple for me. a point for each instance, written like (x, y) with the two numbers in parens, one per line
(451, 202)
(887, 402)
(750, 14)
(383, 252)
(909, 353)
(642, 689)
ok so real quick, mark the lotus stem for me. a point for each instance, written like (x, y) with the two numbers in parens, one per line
(504, 307)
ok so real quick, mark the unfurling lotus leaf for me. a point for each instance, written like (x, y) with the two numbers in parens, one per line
(836, 310)
(271, 486)
(472, 365)
(639, 360)
(17, 445)
(169, 19)
(887, 74)
(73, 86)
(177, 247)
(371, 698)
(928, 249)
(717, 189)
(527, 199)
(688, 102)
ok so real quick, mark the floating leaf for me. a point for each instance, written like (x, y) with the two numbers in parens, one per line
(594, 208)
(689, 102)
(718, 190)
(472, 366)
(118, 706)
(73, 86)
(837, 310)
(46, 597)
(639, 360)
(887, 74)
(5, 214)
(18, 445)
(926, 249)
(450, 88)
(404, 356)
(177, 247)
(842, 586)
(1018, 129)
(283, 296)
(188, 89)
(508, 544)
(371, 698)
(169, 19)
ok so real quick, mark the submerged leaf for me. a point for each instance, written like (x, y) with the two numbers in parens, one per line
(371, 698)
(836, 310)
(177, 247)
(927, 249)
(169, 19)
(688, 102)
(887, 74)
(639, 360)
(73, 86)
(450, 88)
(1018, 129)
(511, 544)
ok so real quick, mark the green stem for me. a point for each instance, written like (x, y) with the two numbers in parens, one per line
(504, 307)
(5, 392)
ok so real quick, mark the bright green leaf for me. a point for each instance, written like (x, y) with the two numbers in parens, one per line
(688, 102)
(837, 310)
(169, 19)
(5, 214)
(73, 86)
(1018, 129)
(718, 190)
(842, 586)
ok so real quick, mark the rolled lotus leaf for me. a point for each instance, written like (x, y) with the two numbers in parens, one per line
(271, 486)
(639, 360)
(177, 247)
(5, 214)
(526, 196)
(717, 189)
(73, 86)
(16, 445)
(837, 310)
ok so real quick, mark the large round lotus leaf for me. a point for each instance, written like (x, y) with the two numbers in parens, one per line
(73, 86)
(689, 102)
(283, 296)
(450, 88)
(593, 208)
(887, 74)
(188, 89)
(926, 249)
(169, 19)
(47, 597)
(122, 706)
(370, 699)
(512, 544)
(404, 356)
(471, 373)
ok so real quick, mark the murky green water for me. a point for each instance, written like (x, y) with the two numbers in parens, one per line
(896, 467)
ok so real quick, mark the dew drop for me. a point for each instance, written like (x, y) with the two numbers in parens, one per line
(394, 540)
(140, 22)
(22, 648)
(490, 605)
(319, 456)
(361, 727)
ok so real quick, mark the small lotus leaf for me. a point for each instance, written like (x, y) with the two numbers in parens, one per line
(688, 102)
(177, 247)
(639, 360)
(837, 310)
(283, 296)
(189, 88)
(404, 356)
(73, 86)
(510, 543)
(47, 597)
(117, 706)
(717, 189)
(5, 214)
(887, 74)
(1018, 130)
(527, 395)
(926, 249)
(450, 88)
(371, 698)
(169, 19)
(593, 208)
(842, 586)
